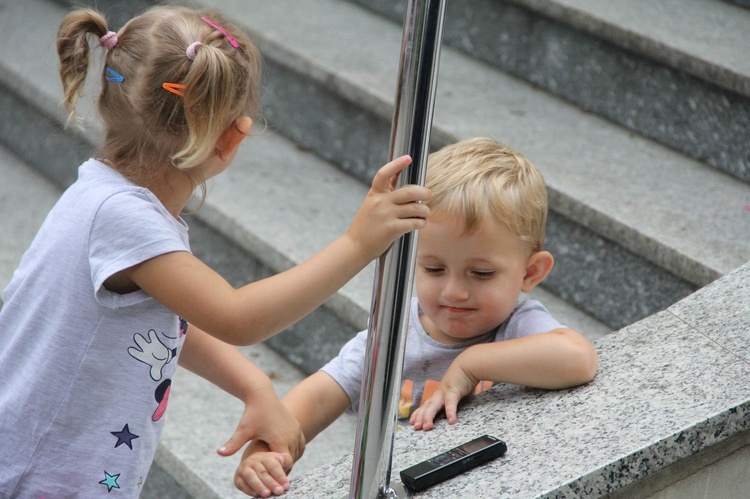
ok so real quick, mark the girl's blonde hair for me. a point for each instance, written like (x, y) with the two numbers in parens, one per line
(478, 179)
(146, 125)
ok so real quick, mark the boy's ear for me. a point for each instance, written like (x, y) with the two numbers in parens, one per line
(538, 266)
(232, 137)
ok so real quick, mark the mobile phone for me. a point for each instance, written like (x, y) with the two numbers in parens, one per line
(452, 462)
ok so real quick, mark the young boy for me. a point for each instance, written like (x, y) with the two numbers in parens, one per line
(481, 248)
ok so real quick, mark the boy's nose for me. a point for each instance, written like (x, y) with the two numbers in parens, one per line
(455, 289)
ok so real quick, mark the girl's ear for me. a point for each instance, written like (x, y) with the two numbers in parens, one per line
(232, 137)
(538, 266)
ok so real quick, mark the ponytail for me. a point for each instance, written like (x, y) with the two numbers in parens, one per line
(73, 51)
(214, 84)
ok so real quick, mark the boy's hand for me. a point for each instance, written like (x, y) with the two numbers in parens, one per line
(455, 385)
(262, 472)
(269, 420)
(387, 214)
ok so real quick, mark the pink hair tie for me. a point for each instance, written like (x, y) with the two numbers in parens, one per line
(190, 52)
(109, 40)
(224, 32)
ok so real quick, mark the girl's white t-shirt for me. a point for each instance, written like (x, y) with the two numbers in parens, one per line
(85, 373)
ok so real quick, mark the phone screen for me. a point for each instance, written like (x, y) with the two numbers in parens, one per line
(476, 445)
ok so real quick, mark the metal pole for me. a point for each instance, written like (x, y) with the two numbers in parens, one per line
(410, 134)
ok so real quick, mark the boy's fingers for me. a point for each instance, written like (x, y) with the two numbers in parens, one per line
(450, 413)
(451, 407)
(416, 420)
(276, 476)
(263, 475)
(286, 461)
(422, 419)
(254, 483)
(270, 483)
(248, 483)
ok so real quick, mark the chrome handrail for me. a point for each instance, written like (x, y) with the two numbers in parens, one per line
(389, 314)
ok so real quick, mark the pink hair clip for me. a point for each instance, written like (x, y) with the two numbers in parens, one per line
(190, 52)
(224, 32)
(109, 40)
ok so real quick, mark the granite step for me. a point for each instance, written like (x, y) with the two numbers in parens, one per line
(273, 233)
(634, 208)
(29, 99)
(276, 205)
(658, 223)
(675, 70)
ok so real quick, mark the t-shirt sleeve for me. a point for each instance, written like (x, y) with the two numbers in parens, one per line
(129, 228)
(529, 317)
(347, 367)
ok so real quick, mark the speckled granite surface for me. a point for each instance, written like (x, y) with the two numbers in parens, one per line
(668, 386)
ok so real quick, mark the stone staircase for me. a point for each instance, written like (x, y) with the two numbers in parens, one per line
(633, 111)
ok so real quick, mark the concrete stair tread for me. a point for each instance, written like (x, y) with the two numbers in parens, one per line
(598, 173)
(706, 38)
(692, 231)
(273, 196)
(646, 197)
(25, 199)
(276, 201)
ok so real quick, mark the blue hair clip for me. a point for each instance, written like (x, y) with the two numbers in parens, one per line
(114, 76)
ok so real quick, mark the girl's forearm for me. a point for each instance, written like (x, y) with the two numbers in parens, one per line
(223, 365)
(258, 310)
(281, 300)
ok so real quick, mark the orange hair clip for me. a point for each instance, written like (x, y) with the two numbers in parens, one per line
(175, 88)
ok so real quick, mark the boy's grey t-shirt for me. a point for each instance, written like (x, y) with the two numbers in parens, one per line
(85, 373)
(426, 360)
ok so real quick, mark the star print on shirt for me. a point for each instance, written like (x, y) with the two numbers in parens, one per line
(124, 437)
(110, 481)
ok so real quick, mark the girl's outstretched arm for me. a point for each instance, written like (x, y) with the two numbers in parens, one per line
(264, 417)
(561, 358)
(260, 309)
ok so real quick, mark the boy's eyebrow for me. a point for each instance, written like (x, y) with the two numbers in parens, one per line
(471, 261)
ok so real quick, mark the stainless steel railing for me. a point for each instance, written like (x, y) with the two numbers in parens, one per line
(410, 134)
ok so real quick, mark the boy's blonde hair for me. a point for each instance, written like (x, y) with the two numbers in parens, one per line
(147, 126)
(478, 179)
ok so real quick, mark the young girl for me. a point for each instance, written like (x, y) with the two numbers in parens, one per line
(108, 296)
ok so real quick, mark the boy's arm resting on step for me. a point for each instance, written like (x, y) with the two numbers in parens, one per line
(561, 358)
(316, 402)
